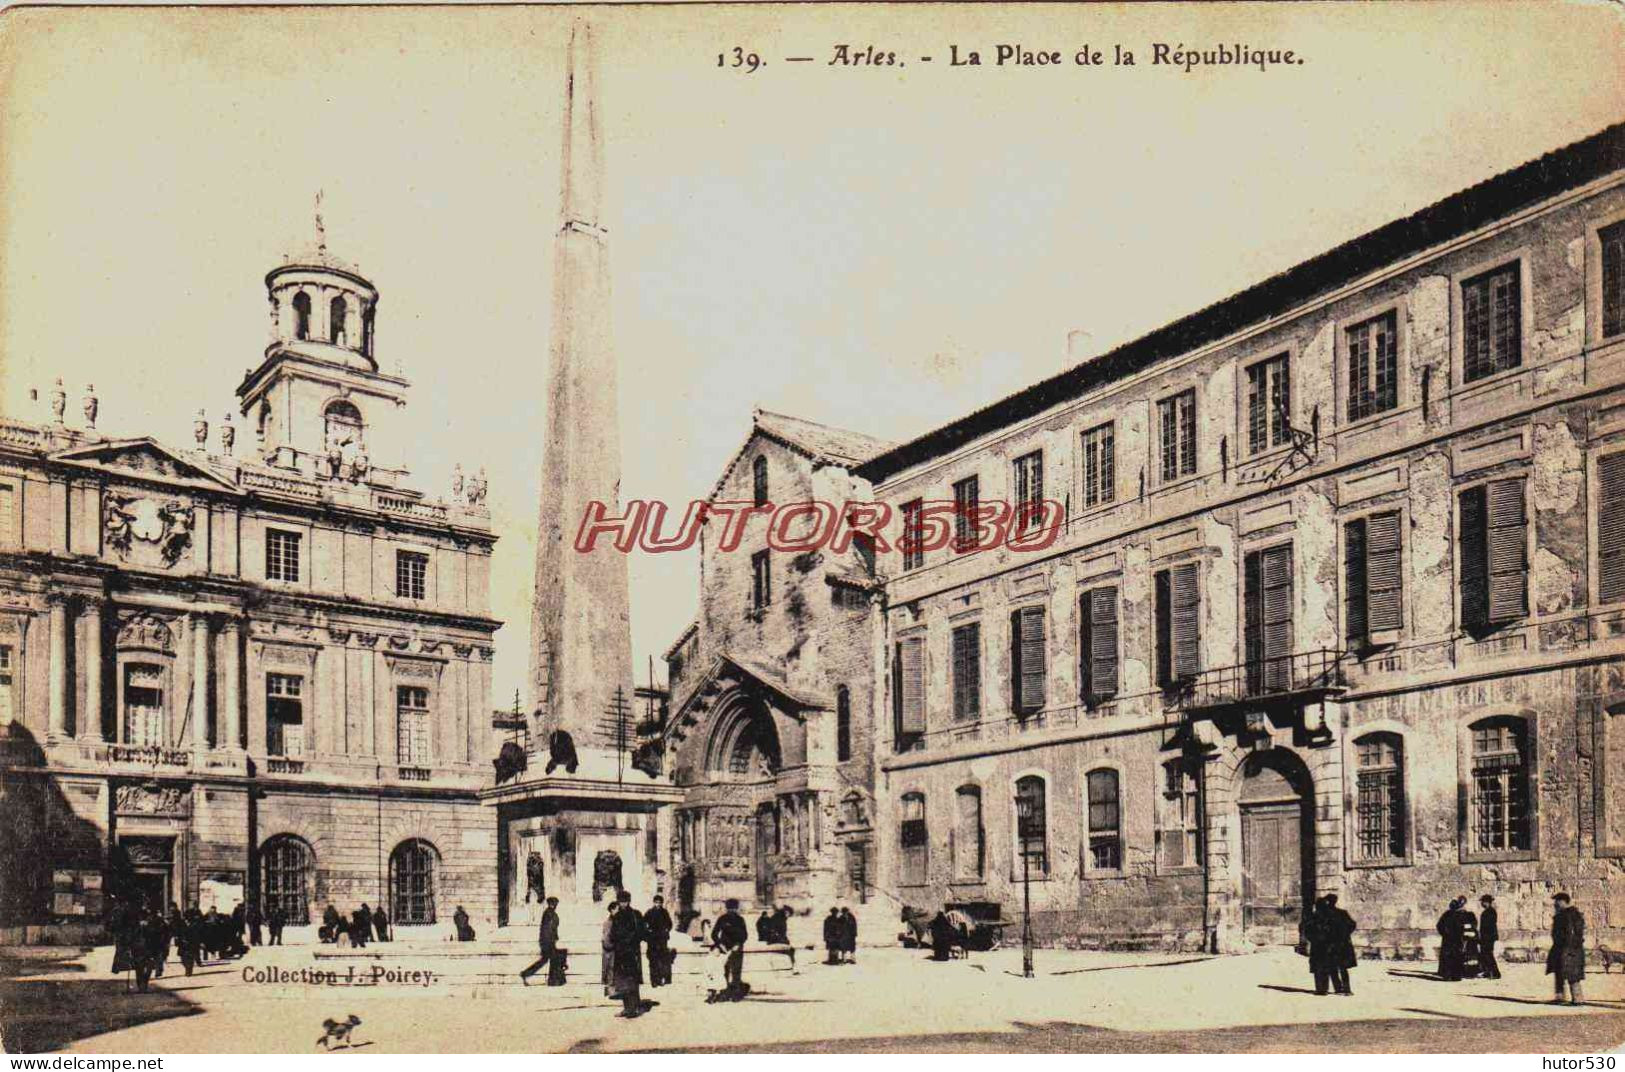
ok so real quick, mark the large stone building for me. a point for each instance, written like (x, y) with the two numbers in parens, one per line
(245, 671)
(1334, 602)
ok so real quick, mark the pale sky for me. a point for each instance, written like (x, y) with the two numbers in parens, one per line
(882, 249)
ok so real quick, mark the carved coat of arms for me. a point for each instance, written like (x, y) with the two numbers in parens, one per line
(164, 523)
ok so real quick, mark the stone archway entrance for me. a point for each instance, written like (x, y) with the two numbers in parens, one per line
(1277, 845)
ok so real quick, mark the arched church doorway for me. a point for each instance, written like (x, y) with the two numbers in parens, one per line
(1277, 845)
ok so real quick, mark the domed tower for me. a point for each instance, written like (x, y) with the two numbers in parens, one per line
(318, 402)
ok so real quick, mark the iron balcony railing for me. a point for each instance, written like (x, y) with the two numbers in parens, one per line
(1302, 676)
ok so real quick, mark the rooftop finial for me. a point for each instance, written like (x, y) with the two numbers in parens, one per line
(321, 228)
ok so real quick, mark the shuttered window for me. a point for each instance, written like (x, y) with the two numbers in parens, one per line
(1269, 619)
(1372, 569)
(1494, 564)
(1097, 644)
(1611, 528)
(1105, 822)
(1491, 323)
(913, 534)
(967, 652)
(1612, 238)
(908, 690)
(967, 498)
(1179, 606)
(1027, 660)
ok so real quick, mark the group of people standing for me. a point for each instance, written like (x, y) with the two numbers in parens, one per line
(1467, 943)
(841, 936)
(1328, 933)
(144, 936)
(357, 929)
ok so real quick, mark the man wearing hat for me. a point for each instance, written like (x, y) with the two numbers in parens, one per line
(1566, 963)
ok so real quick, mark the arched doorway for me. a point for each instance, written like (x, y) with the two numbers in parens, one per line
(1277, 845)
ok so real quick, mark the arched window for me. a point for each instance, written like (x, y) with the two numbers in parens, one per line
(1380, 780)
(411, 881)
(1105, 821)
(343, 430)
(301, 315)
(969, 854)
(336, 312)
(843, 724)
(1501, 815)
(1032, 822)
(759, 479)
(912, 838)
(286, 867)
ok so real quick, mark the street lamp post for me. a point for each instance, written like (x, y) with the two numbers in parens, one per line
(1024, 816)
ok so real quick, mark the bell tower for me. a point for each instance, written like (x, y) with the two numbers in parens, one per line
(318, 402)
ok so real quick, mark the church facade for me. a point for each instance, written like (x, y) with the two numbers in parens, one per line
(245, 671)
(1329, 601)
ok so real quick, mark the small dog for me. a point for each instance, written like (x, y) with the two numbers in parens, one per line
(1609, 958)
(338, 1031)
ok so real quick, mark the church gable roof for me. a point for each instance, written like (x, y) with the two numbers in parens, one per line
(821, 443)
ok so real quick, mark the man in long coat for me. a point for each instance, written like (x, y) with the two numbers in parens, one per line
(625, 936)
(1337, 929)
(832, 936)
(1566, 962)
(849, 935)
(730, 935)
(657, 928)
(380, 924)
(547, 942)
(1489, 932)
(255, 921)
(360, 926)
(1452, 928)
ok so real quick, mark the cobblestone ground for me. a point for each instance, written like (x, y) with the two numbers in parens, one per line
(455, 999)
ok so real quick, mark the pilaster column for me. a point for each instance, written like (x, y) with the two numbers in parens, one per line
(90, 727)
(231, 695)
(198, 737)
(58, 683)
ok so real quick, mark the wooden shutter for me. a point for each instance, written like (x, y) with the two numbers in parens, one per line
(1276, 577)
(1611, 528)
(1384, 578)
(1165, 629)
(967, 672)
(1474, 560)
(911, 657)
(1027, 660)
(1187, 605)
(1355, 618)
(1508, 586)
(1101, 609)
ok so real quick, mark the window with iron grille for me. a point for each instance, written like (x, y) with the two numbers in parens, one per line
(761, 579)
(967, 670)
(1611, 528)
(281, 555)
(1097, 644)
(1105, 822)
(8, 707)
(411, 572)
(1491, 323)
(1371, 349)
(969, 839)
(759, 480)
(913, 840)
(1380, 809)
(843, 724)
(1501, 818)
(1269, 404)
(1372, 569)
(411, 726)
(284, 715)
(1032, 833)
(1179, 831)
(913, 534)
(1494, 555)
(1099, 466)
(1178, 625)
(1176, 422)
(411, 882)
(1028, 479)
(1612, 239)
(967, 498)
(286, 866)
(1028, 682)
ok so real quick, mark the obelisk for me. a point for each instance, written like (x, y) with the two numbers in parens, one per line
(581, 639)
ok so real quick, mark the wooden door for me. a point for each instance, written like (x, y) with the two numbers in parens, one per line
(1272, 867)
